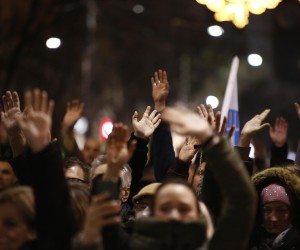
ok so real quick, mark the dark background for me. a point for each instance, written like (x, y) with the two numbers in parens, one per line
(109, 53)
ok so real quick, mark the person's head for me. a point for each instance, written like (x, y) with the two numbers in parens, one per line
(7, 175)
(91, 150)
(143, 199)
(98, 166)
(125, 176)
(276, 208)
(76, 169)
(175, 200)
(80, 196)
(196, 172)
(17, 217)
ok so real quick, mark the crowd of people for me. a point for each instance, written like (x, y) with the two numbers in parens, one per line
(143, 192)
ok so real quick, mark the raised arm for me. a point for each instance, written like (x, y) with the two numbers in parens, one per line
(143, 130)
(226, 166)
(55, 222)
(162, 152)
(279, 148)
(252, 127)
(73, 113)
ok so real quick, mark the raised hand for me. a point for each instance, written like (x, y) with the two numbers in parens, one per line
(207, 114)
(10, 112)
(37, 120)
(118, 151)
(187, 151)
(185, 122)
(297, 107)
(36, 127)
(252, 127)
(145, 127)
(278, 133)
(215, 120)
(39, 101)
(160, 89)
(73, 113)
(100, 213)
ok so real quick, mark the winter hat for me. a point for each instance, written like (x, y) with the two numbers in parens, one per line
(275, 192)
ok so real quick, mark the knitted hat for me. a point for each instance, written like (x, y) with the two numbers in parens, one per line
(275, 192)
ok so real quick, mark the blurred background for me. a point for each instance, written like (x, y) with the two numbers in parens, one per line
(107, 50)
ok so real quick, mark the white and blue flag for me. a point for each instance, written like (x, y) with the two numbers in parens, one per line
(230, 106)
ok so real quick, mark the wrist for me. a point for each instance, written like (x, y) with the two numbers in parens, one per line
(159, 106)
(89, 237)
(140, 135)
(245, 140)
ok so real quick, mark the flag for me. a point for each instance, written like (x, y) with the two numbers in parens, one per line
(230, 106)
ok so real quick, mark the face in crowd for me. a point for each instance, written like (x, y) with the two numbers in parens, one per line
(276, 208)
(90, 150)
(175, 201)
(276, 216)
(7, 176)
(16, 217)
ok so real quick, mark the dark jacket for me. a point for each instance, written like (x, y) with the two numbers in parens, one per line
(55, 223)
(291, 182)
(237, 211)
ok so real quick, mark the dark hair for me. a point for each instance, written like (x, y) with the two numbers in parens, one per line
(71, 161)
(176, 181)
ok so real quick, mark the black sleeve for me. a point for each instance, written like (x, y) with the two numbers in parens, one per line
(179, 170)
(137, 164)
(55, 221)
(278, 155)
(162, 152)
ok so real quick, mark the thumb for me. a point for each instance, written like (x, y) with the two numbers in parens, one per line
(265, 125)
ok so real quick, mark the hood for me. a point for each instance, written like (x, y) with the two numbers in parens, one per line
(284, 177)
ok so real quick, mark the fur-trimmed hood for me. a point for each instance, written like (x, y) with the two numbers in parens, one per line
(284, 177)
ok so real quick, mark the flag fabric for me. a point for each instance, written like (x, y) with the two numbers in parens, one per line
(230, 106)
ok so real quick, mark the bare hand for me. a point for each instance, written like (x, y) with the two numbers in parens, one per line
(73, 113)
(36, 127)
(38, 100)
(100, 213)
(278, 133)
(215, 120)
(160, 89)
(252, 127)
(118, 152)
(187, 151)
(36, 121)
(185, 122)
(11, 112)
(145, 127)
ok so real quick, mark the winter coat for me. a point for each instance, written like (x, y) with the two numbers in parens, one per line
(262, 240)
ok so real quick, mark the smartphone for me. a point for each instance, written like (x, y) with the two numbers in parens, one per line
(100, 186)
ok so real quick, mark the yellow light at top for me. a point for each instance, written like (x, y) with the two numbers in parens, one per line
(238, 11)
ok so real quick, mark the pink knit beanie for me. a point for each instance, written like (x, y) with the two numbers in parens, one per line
(275, 192)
